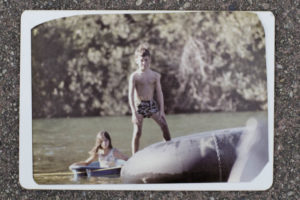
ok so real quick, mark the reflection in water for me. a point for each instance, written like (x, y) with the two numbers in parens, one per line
(59, 142)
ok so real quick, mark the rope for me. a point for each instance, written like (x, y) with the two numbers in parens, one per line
(58, 174)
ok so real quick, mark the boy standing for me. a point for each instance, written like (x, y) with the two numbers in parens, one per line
(142, 84)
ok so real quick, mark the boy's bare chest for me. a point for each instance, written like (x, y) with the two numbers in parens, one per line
(145, 80)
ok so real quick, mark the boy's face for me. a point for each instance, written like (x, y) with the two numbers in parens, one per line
(143, 62)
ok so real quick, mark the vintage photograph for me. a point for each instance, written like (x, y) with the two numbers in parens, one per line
(148, 98)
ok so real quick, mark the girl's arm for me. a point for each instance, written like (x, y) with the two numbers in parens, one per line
(91, 159)
(86, 162)
(119, 155)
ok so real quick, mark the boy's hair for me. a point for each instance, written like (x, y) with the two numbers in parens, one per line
(142, 50)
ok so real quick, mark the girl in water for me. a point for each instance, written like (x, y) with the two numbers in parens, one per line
(104, 152)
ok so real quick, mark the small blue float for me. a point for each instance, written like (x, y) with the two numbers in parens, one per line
(94, 170)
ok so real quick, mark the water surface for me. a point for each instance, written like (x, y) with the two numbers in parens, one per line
(57, 143)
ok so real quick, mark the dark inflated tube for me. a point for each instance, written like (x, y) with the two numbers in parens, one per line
(201, 157)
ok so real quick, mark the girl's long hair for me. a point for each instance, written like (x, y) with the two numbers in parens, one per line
(98, 146)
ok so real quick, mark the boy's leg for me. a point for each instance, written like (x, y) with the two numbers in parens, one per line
(161, 121)
(137, 132)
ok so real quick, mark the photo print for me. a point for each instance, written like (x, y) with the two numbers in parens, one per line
(144, 100)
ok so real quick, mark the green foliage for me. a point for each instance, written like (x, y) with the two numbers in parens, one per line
(208, 61)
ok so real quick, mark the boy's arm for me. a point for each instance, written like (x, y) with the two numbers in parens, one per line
(160, 96)
(131, 98)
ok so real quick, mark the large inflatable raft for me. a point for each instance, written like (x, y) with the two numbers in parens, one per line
(202, 157)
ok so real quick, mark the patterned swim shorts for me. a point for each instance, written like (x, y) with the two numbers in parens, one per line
(147, 108)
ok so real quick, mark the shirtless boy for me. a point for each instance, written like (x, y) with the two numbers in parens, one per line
(142, 84)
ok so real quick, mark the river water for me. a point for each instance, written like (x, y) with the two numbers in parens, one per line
(57, 143)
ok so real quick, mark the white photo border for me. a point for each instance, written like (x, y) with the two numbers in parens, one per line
(30, 19)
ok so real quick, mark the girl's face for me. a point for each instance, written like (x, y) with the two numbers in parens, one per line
(104, 142)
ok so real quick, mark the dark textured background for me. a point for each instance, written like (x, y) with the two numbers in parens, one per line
(286, 147)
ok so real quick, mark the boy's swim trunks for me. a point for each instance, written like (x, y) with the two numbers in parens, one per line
(147, 108)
